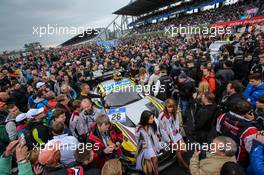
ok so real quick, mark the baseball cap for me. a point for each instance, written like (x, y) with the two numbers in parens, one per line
(40, 84)
(21, 117)
(33, 112)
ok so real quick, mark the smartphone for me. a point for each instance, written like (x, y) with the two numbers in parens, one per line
(22, 139)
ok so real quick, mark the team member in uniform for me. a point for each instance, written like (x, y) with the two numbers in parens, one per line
(148, 143)
(169, 128)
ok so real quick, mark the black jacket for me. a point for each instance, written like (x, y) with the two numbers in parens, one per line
(204, 119)
(229, 102)
(43, 132)
(225, 75)
(242, 69)
(186, 89)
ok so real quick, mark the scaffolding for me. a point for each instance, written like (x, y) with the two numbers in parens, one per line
(117, 28)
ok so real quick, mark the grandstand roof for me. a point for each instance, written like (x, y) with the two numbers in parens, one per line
(140, 7)
(80, 38)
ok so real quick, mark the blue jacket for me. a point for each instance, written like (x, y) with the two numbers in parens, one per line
(257, 160)
(253, 93)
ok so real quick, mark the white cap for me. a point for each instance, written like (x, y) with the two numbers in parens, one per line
(33, 112)
(156, 68)
(40, 84)
(133, 60)
(21, 117)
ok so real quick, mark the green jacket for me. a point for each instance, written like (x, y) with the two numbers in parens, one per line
(6, 163)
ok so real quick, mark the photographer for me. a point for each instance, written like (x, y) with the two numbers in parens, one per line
(106, 139)
(222, 150)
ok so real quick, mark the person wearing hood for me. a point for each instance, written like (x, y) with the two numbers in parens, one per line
(254, 89)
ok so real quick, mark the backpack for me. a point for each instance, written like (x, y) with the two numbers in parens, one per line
(28, 135)
(166, 88)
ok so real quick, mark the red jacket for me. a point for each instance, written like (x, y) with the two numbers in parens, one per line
(98, 145)
(211, 80)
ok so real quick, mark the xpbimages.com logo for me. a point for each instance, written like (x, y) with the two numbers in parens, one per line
(67, 146)
(41, 31)
(196, 30)
(212, 147)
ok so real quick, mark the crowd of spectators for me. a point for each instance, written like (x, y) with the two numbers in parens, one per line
(46, 99)
(224, 13)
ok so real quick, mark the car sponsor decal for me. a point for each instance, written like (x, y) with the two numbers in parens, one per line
(101, 88)
(117, 85)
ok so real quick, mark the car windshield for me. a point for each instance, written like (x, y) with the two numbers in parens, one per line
(121, 98)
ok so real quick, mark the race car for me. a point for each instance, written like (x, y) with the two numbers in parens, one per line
(124, 105)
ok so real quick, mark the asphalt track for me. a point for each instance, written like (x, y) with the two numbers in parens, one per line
(174, 170)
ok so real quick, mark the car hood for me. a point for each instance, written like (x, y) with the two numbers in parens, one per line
(134, 110)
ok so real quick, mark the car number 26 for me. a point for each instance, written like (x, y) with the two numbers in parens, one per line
(116, 117)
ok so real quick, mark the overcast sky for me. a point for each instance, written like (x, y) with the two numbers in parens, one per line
(17, 18)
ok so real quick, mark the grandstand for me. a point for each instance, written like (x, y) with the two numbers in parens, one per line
(141, 16)
(153, 15)
(81, 38)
